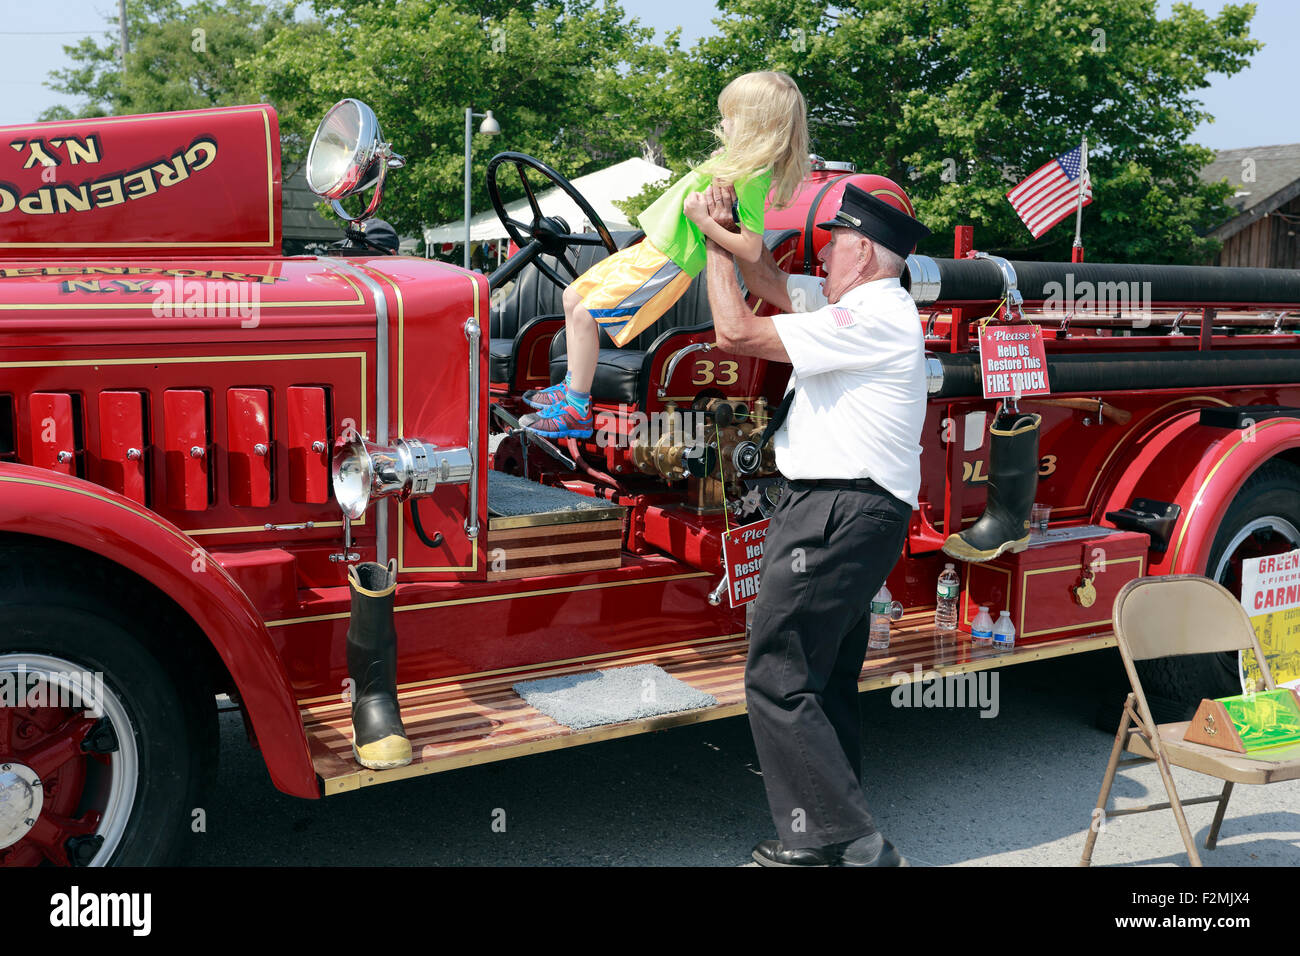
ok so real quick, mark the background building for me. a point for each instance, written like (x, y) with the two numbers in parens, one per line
(1267, 200)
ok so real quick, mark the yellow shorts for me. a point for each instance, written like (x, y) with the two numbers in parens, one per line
(627, 292)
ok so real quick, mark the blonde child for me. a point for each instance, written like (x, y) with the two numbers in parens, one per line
(764, 136)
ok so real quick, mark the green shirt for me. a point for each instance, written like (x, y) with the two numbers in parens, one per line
(668, 229)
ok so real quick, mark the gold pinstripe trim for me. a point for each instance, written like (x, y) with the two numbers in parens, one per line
(490, 598)
(1024, 594)
(1131, 428)
(181, 536)
(211, 359)
(542, 342)
(1064, 510)
(1005, 572)
(401, 421)
(175, 532)
(89, 305)
(401, 547)
(886, 191)
(176, 359)
(262, 527)
(1197, 499)
(270, 194)
(691, 398)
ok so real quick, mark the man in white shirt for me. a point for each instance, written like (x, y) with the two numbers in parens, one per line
(848, 439)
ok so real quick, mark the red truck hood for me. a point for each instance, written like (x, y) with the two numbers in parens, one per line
(199, 182)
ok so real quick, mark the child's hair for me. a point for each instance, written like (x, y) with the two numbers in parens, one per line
(769, 129)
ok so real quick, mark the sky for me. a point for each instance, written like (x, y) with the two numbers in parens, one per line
(1246, 106)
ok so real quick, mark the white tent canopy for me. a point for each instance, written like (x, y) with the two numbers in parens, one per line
(600, 189)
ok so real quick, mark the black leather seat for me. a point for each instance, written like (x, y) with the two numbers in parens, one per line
(535, 297)
(623, 374)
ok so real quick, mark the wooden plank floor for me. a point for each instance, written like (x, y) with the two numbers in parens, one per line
(478, 719)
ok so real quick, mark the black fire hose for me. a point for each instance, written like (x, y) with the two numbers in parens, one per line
(964, 280)
(1116, 372)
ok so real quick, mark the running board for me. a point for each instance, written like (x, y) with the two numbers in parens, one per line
(475, 719)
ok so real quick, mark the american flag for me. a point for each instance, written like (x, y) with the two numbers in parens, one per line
(1051, 192)
(843, 317)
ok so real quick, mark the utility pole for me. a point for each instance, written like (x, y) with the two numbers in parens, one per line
(121, 22)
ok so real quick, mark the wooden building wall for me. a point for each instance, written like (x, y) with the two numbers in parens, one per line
(1271, 243)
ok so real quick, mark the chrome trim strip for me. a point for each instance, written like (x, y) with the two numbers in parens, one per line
(677, 357)
(923, 279)
(831, 165)
(472, 333)
(715, 596)
(933, 374)
(381, 387)
(1014, 300)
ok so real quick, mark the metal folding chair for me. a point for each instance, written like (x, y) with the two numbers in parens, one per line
(1163, 617)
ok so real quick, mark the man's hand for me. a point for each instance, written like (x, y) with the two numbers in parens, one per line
(736, 240)
(720, 198)
(695, 208)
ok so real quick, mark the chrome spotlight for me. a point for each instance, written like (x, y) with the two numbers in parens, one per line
(348, 155)
(363, 471)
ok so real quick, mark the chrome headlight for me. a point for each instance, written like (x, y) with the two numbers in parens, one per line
(363, 471)
(348, 155)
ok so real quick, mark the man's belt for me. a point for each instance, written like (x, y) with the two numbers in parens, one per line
(840, 484)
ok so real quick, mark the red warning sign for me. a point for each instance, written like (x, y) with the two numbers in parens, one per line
(742, 554)
(1013, 362)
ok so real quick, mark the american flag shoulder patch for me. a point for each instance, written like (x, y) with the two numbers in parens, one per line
(843, 317)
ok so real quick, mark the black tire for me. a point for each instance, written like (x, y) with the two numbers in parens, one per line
(69, 614)
(1175, 685)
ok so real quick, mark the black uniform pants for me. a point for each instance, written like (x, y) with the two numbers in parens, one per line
(828, 551)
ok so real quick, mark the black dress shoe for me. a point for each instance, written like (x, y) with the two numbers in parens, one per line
(771, 853)
(851, 855)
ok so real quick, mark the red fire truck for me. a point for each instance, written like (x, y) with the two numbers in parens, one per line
(177, 395)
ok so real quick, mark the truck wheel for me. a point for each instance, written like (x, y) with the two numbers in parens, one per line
(1264, 519)
(100, 754)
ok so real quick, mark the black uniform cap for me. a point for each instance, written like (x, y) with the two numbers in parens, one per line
(381, 233)
(877, 220)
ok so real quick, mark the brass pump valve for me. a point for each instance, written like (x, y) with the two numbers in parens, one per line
(714, 446)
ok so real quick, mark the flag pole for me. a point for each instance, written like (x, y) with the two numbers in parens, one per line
(1076, 252)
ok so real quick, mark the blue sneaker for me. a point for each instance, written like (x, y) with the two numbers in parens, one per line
(560, 420)
(544, 397)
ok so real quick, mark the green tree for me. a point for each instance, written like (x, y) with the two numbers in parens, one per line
(561, 77)
(957, 100)
(181, 56)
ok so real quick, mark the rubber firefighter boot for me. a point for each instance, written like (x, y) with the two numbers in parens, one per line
(378, 738)
(1013, 480)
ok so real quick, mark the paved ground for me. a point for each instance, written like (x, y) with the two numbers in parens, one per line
(948, 788)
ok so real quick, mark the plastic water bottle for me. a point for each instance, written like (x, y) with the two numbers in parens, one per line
(1004, 632)
(945, 611)
(881, 611)
(981, 629)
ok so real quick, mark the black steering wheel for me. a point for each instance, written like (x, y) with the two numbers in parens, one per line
(545, 234)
